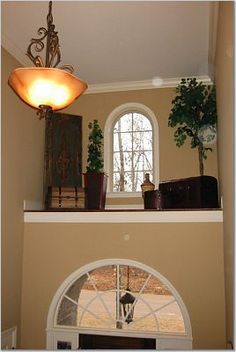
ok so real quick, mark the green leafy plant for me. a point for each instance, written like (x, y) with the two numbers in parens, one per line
(193, 108)
(95, 157)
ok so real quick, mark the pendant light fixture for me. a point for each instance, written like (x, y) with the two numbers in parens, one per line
(127, 302)
(46, 87)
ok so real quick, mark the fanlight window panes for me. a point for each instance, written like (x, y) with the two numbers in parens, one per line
(93, 301)
(132, 152)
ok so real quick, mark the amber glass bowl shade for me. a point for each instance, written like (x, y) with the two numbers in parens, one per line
(53, 87)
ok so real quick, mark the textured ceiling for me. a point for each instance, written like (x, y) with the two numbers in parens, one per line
(116, 41)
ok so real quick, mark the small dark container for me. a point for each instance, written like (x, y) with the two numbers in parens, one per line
(152, 199)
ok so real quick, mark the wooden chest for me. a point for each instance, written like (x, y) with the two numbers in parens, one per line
(189, 193)
(66, 197)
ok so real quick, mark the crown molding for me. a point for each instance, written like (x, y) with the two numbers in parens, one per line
(139, 85)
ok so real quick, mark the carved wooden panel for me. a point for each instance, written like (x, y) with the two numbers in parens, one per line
(63, 151)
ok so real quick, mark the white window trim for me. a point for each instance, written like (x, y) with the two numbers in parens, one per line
(108, 138)
(163, 340)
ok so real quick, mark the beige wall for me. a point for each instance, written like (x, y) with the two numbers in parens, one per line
(225, 104)
(22, 165)
(174, 162)
(190, 256)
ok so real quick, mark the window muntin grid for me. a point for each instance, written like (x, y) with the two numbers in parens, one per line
(132, 152)
(91, 302)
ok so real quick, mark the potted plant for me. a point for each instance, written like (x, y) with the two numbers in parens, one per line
(194, 112)
(194, 115)
(95, 180)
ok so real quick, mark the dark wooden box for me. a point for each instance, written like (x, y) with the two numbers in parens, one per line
(189, 193)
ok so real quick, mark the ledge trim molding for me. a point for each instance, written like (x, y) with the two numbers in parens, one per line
(194, 216)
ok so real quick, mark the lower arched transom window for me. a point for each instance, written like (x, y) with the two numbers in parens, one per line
(122, 297)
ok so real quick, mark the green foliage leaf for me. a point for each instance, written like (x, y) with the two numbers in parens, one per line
(193, 106)
(95, 157)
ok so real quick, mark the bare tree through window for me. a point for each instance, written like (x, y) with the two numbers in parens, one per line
(132, 152)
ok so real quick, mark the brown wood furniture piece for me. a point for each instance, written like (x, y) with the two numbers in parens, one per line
(189, 193)
(63, 153)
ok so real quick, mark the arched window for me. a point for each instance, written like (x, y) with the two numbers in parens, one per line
(91, 301)
(132, 151)
(94, 301)
(131, 148)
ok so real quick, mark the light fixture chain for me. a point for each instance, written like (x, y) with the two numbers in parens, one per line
(53, 54)
(53, 47)
(128, 278)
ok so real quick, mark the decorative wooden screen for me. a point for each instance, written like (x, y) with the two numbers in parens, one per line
(63, 152)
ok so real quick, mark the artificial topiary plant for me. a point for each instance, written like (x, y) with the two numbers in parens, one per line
(193, 111)
(95, 179)
(95, 157)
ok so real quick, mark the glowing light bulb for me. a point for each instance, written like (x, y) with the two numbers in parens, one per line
(46, 92)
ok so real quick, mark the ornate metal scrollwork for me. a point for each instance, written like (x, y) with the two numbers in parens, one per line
(53, 53)
(44, 112)
(38, 46)
(68, 68)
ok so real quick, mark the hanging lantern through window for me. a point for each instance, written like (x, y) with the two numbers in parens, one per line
(127, 302)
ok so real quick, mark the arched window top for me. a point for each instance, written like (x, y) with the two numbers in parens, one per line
(132, 121)
(131, 147)
(91, 298)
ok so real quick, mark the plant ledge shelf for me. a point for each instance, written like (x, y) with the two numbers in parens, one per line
(125, 216)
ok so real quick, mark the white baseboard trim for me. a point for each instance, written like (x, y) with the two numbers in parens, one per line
(8, 338)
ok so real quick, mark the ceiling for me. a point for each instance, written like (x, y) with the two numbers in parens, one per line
(116, 42)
